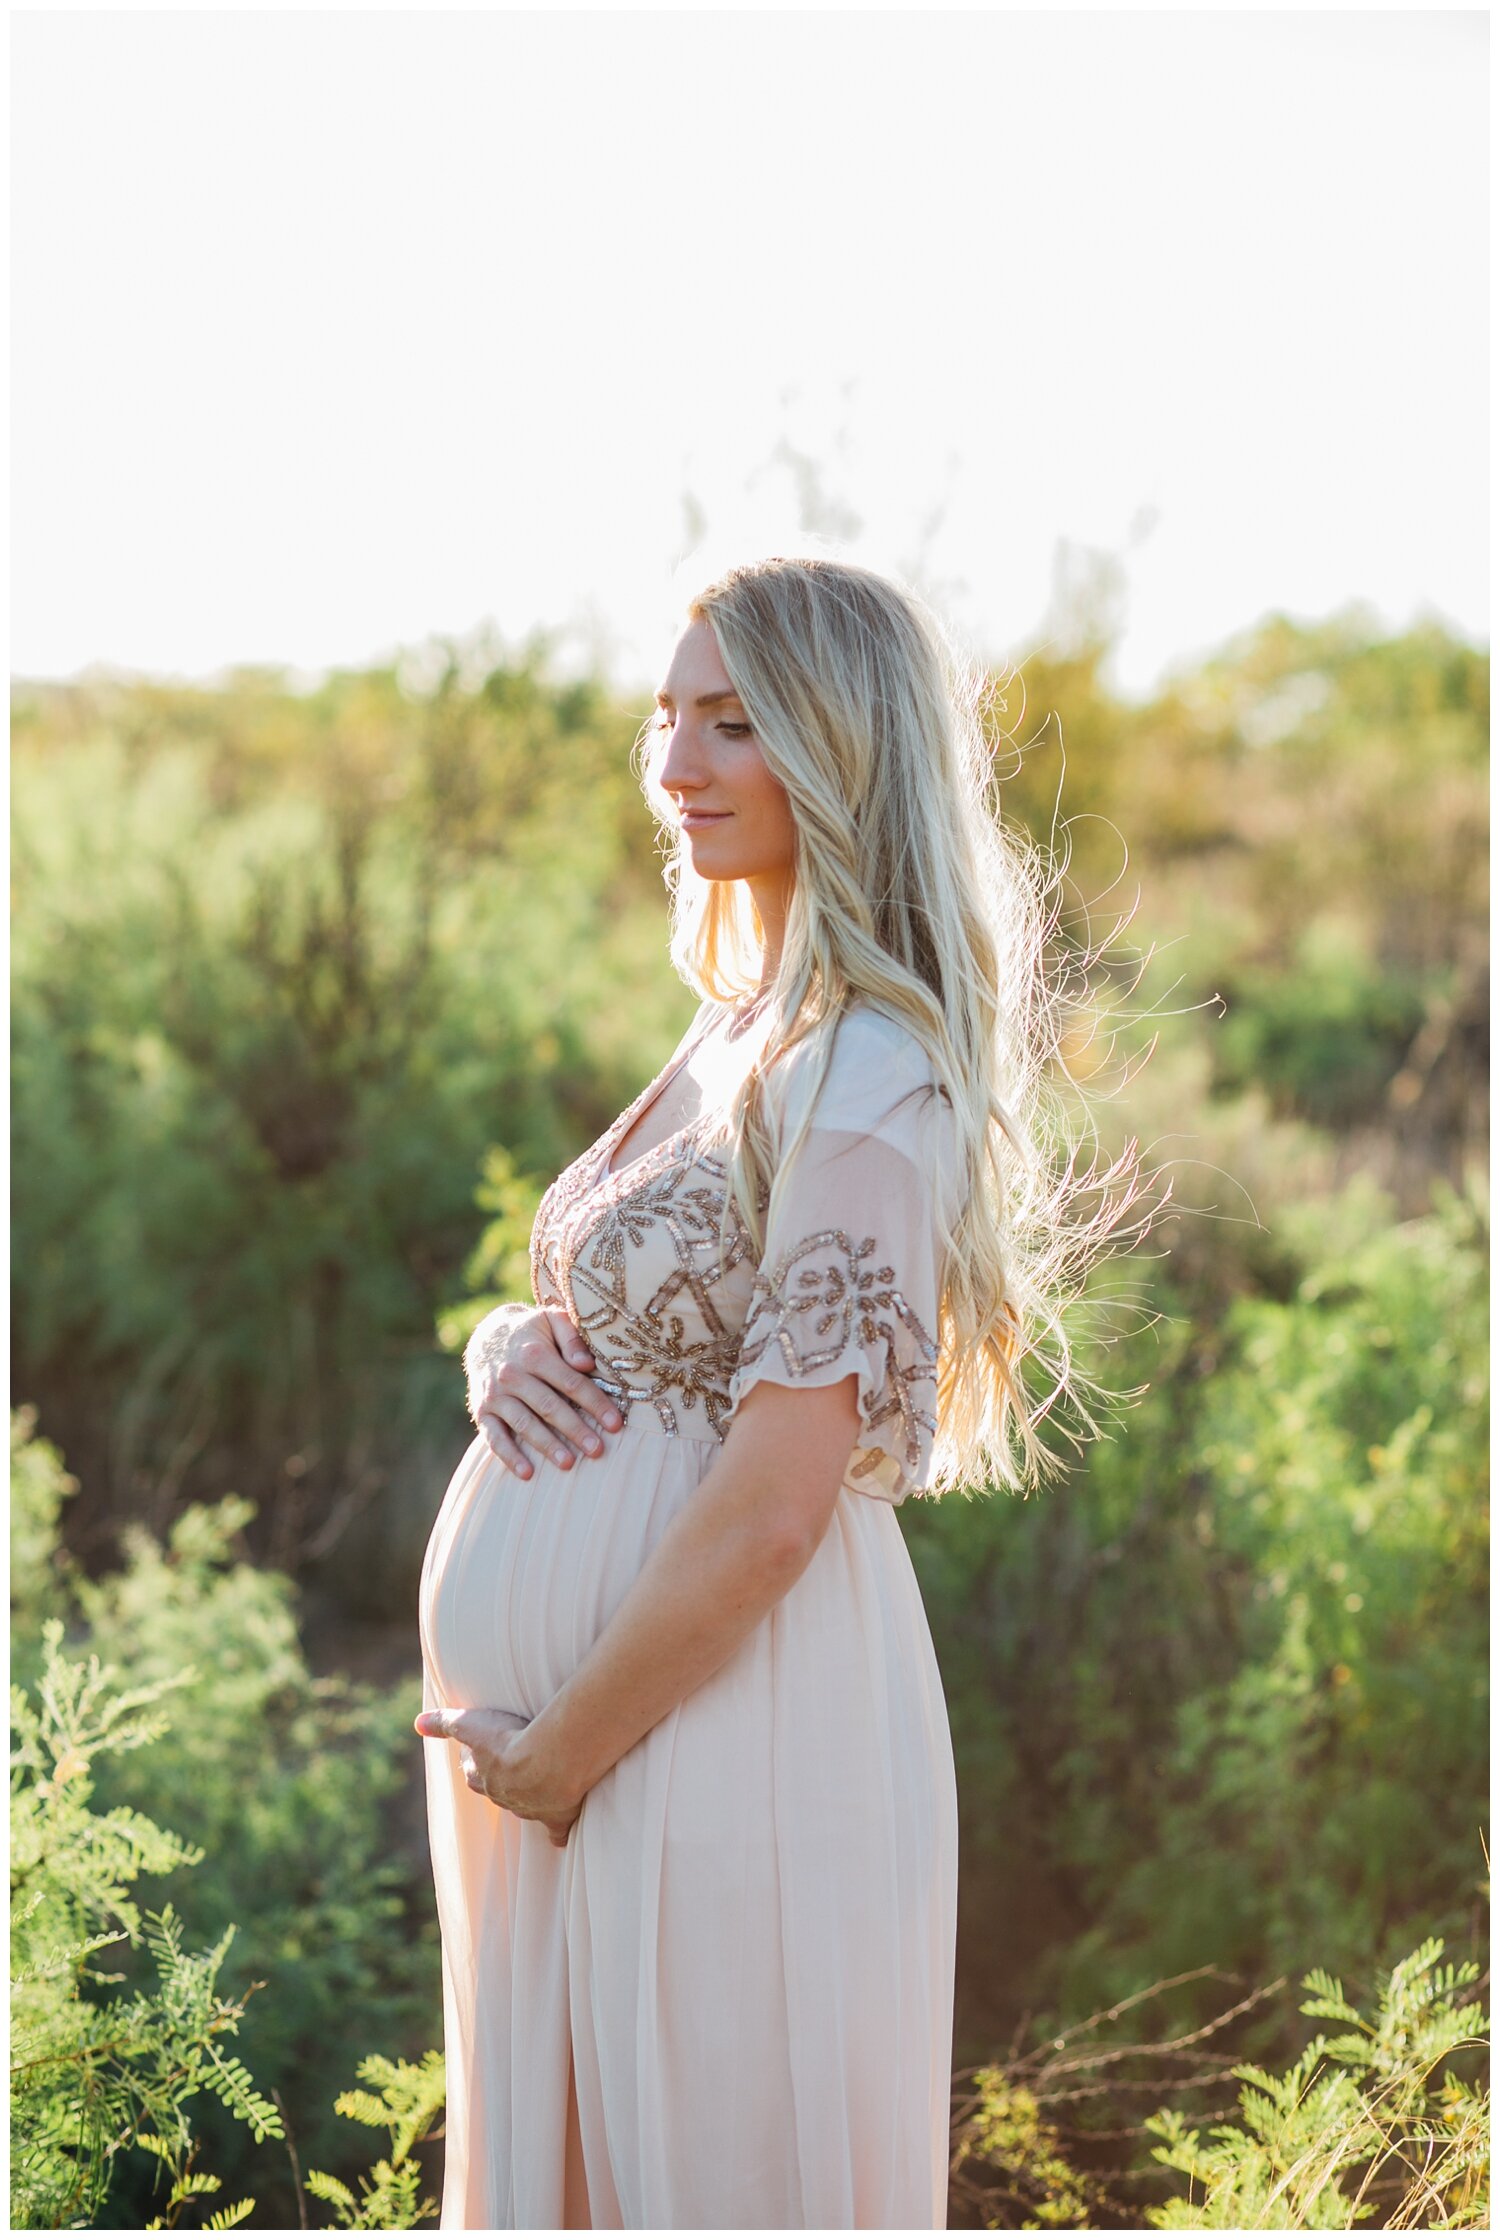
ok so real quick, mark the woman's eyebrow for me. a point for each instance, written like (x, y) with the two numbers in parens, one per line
(704, 699)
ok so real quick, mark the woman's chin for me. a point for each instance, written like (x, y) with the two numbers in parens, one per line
(710, 847)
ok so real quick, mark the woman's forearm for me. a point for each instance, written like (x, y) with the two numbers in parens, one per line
(726, 1558)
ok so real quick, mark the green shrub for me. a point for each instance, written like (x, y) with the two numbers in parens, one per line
(1037, 2137)
(92, 2077)
(411, 2096)
(1362, 2102)
(1226, 1702)
(335, 950)
(283, 1783)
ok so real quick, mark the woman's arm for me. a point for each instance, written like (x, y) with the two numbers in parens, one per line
(745, 1535)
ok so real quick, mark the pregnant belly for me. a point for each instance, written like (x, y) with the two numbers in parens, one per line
(521, 1575)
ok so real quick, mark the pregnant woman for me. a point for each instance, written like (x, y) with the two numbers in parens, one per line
(690, 1785)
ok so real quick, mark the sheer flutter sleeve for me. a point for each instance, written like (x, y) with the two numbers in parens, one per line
(850, 1275)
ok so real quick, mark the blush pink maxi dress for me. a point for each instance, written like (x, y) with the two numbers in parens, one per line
(728, 2001)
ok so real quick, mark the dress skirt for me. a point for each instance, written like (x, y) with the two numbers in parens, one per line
(728, 2001)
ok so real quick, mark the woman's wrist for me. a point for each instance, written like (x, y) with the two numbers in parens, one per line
(547, 1762)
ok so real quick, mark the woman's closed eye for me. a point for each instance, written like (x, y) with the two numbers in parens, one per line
(730, 730)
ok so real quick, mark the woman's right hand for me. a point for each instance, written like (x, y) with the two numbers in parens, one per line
(530, 1380)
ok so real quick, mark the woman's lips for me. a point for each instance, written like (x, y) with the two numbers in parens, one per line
(692, 817)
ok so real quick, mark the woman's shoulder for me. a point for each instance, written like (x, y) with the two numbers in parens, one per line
(877, 1064)
(869, 1035)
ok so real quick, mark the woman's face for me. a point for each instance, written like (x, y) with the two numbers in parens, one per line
(712, 766)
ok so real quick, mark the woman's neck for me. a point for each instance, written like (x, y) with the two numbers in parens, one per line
(771, 895)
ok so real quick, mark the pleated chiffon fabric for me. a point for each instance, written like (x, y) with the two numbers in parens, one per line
(728, 2001)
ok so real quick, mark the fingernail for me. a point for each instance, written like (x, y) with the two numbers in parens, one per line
(595, 1446)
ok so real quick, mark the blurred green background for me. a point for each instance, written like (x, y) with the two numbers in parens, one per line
(313, 993)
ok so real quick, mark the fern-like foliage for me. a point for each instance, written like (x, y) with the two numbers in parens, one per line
(1362, 2101)
(93, 2075)
(410, 2097)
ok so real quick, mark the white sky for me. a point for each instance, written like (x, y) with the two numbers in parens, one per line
(333, 330)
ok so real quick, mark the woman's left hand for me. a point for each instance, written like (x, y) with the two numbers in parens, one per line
(500, 1764)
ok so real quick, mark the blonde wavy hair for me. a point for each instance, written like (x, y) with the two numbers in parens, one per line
(912, 894)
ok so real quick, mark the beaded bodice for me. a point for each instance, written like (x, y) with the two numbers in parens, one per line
(682, 1324)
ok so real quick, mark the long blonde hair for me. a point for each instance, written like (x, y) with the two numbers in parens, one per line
(911, 894)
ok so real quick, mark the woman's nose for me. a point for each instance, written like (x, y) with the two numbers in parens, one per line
(680, 765)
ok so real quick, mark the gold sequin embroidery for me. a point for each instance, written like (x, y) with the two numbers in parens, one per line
(679, 1346)
(712, 1313)
(837, 1303)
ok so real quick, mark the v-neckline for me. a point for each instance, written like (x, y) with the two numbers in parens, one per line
(606, 1171)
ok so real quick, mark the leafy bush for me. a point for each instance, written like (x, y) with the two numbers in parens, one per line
(1227, 1702)
(262, 1045)
(92, 2078)
(1362, 2107)
(1424, 2151)
(1325, 1039)
(411, 2096)
(284, 1785)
